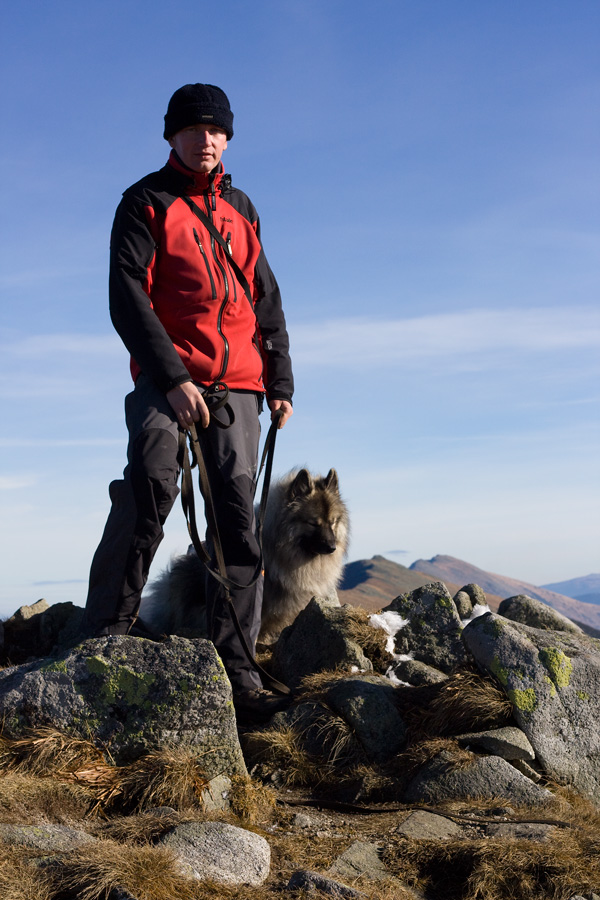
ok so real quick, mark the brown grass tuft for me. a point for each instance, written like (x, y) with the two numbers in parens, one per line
(46, 751)
(250, 801)
(372, 641)
(465, 702)
(280, 749)
(20, 881)
(28, 800)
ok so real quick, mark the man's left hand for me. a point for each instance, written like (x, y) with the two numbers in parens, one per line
(286, 408)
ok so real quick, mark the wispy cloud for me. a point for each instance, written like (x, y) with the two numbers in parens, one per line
(464, 335)
(15, 482)
(59, 345)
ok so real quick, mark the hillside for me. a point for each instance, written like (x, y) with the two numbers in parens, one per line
(586, 589)
(450, 569)
(374, 583)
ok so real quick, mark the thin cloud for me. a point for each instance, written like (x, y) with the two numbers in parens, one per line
(15, 482)
(44, 345)
(466, 336)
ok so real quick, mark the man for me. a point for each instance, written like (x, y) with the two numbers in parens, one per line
(179, 303)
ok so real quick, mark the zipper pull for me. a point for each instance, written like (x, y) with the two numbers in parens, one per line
(198, 241)
(228, 240)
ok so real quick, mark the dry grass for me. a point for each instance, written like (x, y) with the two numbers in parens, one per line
(47, 752)
(465, 702)
(250, 801)
(372, 641)
(29, 800)
(280, 749)
(20, 881)
(498, 869)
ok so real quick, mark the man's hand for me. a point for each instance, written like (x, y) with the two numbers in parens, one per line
(188, 404)
(286, 408)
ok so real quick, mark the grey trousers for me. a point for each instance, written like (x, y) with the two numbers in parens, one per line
(142, 500)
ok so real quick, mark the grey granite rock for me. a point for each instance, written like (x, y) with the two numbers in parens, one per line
(553, 681)
(132, 696)
(519, 831)
(487, 777)
(427, 826)
(464, 606)
(45, 838)
(433, 629)
(313, 883)
(367, 704)
(416, 673)
(532, 612)
(220, 852)
(318, 640)
(509, 742)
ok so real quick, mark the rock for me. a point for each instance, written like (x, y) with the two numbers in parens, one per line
(361, 858)
(215, 796)
(39, 630)
(416, 673)
(426, 826)
(464, 605)
(132, 696)
(313, 883)
(475, 594)
(316, 641)
(553, 681)
(368, 705)
(536, 614)
(45, 838)
(487, 777)
(220, 852)
(526, 770)
(509, 743)
(519, 831)
(432, 633)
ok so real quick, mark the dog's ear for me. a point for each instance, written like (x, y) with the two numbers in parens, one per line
(331, 481)
(301, 486)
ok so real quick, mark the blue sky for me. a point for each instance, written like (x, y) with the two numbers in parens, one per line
(427, 179)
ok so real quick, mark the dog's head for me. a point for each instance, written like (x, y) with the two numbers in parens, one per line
(319, 511)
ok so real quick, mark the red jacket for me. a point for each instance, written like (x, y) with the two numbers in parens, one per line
(174, 297)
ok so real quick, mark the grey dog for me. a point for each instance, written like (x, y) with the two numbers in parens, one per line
(305, 537)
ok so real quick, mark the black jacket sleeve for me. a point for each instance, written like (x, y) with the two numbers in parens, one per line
(132, 252)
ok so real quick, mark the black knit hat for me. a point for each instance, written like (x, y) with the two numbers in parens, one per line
(198, 104)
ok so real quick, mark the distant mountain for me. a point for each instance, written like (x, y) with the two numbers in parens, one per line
(586, 589)
(374, 583)
(448, 568)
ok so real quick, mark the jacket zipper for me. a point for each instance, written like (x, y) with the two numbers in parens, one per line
(209, 208)
(205, 258)
(233, 282)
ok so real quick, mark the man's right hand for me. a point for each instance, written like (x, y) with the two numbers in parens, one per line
(188, 404)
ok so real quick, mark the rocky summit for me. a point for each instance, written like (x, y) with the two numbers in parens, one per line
(425, 746)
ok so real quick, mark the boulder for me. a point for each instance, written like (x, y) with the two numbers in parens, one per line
(510, 743)
(522, 831)
(131, 696)
(318, 640)
(368, 705)
(553, 681)
(361, 859)
(464, 605)
(416, 673)
(536, 614)
(487, 777)
(219, 852)
(427, 826)
(432, 633)
(39, 630)
(313, 883)
(45, 838)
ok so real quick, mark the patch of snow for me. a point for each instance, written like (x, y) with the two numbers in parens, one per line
(391, 622)
(480, 609)
(391, 676)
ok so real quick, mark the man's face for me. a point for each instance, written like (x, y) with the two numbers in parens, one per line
(199, 147)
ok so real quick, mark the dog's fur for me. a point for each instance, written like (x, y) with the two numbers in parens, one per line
(305, 537)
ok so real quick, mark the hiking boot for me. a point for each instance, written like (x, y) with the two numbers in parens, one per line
(258, 705)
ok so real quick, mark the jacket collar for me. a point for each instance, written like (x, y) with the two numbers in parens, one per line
(200, 181)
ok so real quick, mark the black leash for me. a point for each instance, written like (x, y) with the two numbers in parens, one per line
(189, 510)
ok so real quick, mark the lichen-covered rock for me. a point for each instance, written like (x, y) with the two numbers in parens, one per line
(463, 603)
(361, 859)
(553, 681)
(219, 852)
(132, 696)
(433, 629)
(318, 640)
(313, 883)
(536, 614)
(487, 777)
(368, 705)
(427, 826)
